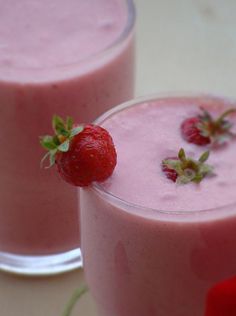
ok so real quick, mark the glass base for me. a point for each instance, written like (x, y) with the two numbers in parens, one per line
(41, 265)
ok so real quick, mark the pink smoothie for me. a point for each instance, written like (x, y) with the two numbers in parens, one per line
(152, 247)
(71, 57)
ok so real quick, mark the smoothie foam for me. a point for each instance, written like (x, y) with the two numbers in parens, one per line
(161, 245)
(42, 34)
(148, 133)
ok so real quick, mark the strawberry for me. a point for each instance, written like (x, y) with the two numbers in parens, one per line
(183, 170)
(204, 129)
(169, 172)
(192, 133)
(221, 299)
(83, 154)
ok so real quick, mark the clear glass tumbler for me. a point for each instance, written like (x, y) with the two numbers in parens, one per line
(147, 262)
(39, 231)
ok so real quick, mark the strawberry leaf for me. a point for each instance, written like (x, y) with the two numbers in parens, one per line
(182, 155)
(69, 123)
(188, 169)
(52, 157)
(64, 133)
(45, 157)
(64, 146)
(204, 157)
(59, 126)
(48, 142)
(76, 130)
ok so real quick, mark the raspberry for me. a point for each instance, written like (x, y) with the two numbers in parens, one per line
(91, 157)
(170, 173)
(82, 154)
(192, 134)
(221, 299)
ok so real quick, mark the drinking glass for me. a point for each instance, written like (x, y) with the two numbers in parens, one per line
(39, 217)
(148, 262)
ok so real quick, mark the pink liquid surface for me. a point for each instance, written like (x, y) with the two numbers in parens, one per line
(160, 257)
(55, 58)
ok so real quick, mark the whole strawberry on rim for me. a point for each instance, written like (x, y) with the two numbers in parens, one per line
(203, 129)
(82, 153)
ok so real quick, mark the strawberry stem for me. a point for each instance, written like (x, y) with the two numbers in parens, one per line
(218, 130)
(75, 297)
(224, 115)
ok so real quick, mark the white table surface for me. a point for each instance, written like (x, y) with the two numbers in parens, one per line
(182, 45)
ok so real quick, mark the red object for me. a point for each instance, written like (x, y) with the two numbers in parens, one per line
(192, 134)
(91, 157)
(221, 299)
(170, 173)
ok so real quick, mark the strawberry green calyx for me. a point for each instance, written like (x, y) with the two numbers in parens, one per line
(219, 129)
(188, 169)
(60, 142)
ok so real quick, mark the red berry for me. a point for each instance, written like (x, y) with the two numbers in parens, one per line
(221, 299)
(170, 173)
(192, 134)
(91, 157)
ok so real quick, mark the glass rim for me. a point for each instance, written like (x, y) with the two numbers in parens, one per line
(127, 30)
(119, 201)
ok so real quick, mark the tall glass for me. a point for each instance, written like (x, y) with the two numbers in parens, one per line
(147, 262)
(39, 231)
